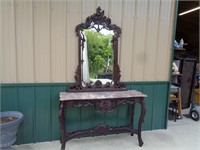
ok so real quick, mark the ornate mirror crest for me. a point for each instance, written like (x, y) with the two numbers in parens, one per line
(87, 78)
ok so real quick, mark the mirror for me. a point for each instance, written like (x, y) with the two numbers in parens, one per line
(98, 67)
(97, 56)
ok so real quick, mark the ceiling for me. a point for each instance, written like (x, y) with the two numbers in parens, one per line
(193, 17)
(188, 26)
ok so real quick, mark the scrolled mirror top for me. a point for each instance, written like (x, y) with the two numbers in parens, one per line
(98, 68)
(98, 19)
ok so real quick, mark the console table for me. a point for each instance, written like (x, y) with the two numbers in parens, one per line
(102, 102)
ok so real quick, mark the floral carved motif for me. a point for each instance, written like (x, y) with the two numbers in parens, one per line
(98, 21)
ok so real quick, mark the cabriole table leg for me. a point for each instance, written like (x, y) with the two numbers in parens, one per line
(141, 120)
(62, 125)
(132, 117)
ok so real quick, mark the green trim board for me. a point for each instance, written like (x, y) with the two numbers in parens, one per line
(40, 105)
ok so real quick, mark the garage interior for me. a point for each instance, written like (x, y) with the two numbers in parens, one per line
(188, 28)
(186, 59)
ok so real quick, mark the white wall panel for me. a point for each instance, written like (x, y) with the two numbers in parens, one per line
(73, 19)
(128, 26)
(104, 4)
(151, 40)
(24, 40)
(58, 40)
(139, 40)
(39, 43)
(42, 46)
(170, 37)
(115, 13)
(1, 46)
(163, 51)
(88, 8)
(9, 41)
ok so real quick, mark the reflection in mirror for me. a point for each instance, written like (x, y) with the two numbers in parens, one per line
(98, 68)
(97, 55)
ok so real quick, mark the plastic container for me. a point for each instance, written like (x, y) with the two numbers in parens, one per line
(181, 43)
(9, 129)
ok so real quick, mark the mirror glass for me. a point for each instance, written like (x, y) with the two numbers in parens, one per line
(97, 55)
(98, 68)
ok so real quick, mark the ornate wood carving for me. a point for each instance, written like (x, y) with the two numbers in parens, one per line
(100, 129)
(100, 21)
(98, 84)
(77, 74)
(107, 105)
(103, 105)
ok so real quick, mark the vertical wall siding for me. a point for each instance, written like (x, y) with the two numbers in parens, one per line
(39, 44)
(40, 105)
(1, 47)
(151, 43)
(163, 55)
(58, 40)
(73, 18)
(42, 46)
(8, 38)
(139, 40)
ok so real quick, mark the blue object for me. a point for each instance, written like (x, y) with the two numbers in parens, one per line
(176, 45)
(9, 129)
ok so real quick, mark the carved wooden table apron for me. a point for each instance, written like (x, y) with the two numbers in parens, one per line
(102, 102)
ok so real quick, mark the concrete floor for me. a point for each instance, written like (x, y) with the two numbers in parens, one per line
(181, 135)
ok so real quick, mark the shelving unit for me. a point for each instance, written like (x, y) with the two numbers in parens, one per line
(186, 77)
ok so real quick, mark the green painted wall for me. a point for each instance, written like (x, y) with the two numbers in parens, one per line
(40, 105)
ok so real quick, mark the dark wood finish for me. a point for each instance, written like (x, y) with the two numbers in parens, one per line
(98, 19)
(176, 74)
(103, 104)
(179, 53)
(187, 81)
(79, 96)
(179, 49)
(62, 124)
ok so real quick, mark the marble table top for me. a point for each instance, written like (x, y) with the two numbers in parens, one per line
(100, 95)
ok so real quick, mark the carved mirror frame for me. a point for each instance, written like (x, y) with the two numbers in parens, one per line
(98, 18)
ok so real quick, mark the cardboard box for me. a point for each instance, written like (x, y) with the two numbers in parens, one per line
(196, 96)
